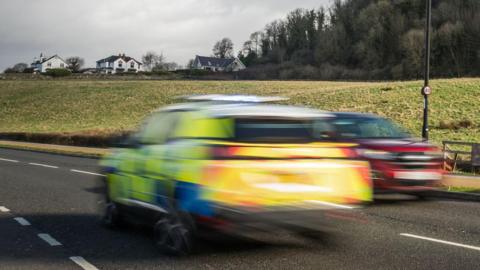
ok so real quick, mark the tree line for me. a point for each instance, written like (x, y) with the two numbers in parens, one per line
(367, 39)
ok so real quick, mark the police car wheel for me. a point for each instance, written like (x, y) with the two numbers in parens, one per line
(173, 237)
(112, 218)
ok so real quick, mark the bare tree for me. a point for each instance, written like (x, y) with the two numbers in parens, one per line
(75, 63)
(170, 66)
(151, 60)
(255, 39)
(19, 68)
(190, 64)
(223, 48)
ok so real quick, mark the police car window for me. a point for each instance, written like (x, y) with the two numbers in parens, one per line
(273, 130)
(158, 127)
(322, 130)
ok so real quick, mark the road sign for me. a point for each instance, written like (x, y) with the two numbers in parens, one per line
(426, 90)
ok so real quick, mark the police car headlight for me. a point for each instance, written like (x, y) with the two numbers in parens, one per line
(376, 154)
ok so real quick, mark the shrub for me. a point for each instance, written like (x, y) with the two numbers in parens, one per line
(199, 72)
(465, 123)
(28, 70)
(58, 72)
(160, 72)
(455, 125)
(9, 71)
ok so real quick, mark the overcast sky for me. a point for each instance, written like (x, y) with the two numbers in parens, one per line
(94, 29)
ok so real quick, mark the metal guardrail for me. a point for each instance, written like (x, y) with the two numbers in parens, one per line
(452, 157)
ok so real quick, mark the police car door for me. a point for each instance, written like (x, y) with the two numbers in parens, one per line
(153, 182)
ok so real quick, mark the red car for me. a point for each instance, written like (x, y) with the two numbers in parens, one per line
(400, 163)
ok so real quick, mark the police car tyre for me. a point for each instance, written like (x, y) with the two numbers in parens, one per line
(173, 236)
(112, 217)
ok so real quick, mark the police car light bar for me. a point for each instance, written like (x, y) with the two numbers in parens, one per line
(234, 98)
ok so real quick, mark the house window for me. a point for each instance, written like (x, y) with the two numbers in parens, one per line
(132, 65)
(120, 63)
(49, 64)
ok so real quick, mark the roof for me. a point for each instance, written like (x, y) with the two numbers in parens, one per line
(114, 58)
(248, 110)
(46, 59)
(265, 110)
(233, 98)
(215, 62)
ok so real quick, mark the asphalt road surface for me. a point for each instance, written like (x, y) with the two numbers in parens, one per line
(50, 211)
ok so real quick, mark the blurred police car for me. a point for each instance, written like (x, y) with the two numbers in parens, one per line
(226, 161)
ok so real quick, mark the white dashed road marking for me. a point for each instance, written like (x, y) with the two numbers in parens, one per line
(22, 221)
(83, 263)
(50, 240)
(440, 241)
(85, 172)
(9, 160)
(4, 209)
(43, 165)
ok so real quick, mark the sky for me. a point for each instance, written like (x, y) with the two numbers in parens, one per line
(95, 29)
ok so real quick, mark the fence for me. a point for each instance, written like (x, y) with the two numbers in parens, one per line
(466, 155)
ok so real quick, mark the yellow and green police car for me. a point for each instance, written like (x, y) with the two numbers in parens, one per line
(224, 161)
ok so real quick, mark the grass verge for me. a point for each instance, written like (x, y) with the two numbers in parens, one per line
(56, 149)
(461, 189)
(104, 107)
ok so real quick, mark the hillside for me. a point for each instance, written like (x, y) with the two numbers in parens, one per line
(110, 106)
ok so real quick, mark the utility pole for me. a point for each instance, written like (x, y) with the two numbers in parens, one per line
(426, 90)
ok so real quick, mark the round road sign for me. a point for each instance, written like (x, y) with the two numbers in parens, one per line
(426, 90)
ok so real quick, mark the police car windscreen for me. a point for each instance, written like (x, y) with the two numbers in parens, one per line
(273, 130)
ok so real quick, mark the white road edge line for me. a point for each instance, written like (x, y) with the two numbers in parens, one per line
(4, 209)
(9, 160)
(22, 221)
(43, 165)
(50, 240)
(440, 241)
(85, 172)
(83, 263)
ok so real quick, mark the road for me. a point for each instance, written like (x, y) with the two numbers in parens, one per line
(49, 219)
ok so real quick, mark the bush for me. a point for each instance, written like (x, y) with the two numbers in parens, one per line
(58, 72)
(9, 71)
(160, 72)
(465, 123)
(455, 125)
(199, 72)
(28, 70)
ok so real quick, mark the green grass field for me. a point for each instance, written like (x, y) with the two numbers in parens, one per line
(109, 106)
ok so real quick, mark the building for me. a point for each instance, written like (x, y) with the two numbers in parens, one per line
(118, 63)
(43, 63)
(218, 64)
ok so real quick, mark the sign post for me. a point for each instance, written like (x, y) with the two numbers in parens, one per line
(426, 90)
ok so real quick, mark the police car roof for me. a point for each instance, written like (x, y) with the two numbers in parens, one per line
(232, 109)
(233, 98)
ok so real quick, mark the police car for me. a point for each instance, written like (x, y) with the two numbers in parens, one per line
(225, 161)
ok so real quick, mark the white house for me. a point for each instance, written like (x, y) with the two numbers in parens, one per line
(218, 64)
(42, 64)
(118, 63)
